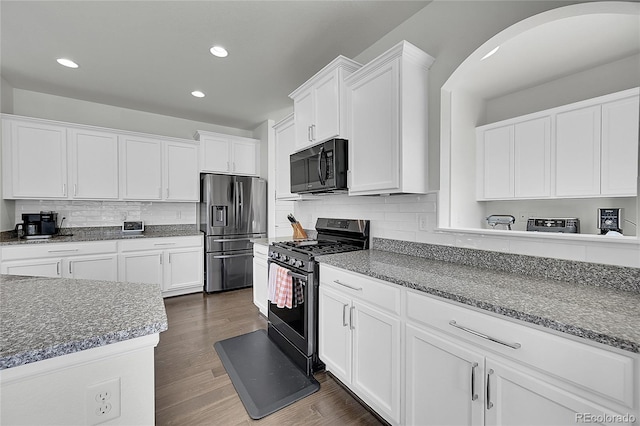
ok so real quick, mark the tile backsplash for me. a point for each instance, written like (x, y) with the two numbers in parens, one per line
(111, 213)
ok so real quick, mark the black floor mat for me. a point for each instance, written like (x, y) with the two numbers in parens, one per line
(264, 377)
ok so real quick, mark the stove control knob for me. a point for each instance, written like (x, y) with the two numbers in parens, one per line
(285, 258)
(298, 263)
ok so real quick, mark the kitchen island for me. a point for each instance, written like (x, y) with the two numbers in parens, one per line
(78, 351)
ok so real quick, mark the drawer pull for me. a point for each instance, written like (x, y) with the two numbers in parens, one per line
(347, 285)
(474, 395)
(62, 250)
(484, 336)
(164, 244)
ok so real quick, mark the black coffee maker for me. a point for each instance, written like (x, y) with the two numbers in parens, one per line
(38, 225)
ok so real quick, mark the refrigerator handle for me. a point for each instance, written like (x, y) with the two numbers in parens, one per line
(236, 203)
(241, 201)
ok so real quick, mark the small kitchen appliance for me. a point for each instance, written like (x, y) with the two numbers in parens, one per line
(133, 227)
(566, 225)
(295, 330)
(501, 219)
(610, 220)
(38, 225)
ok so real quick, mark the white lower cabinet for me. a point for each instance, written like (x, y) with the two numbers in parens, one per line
(260, 277)
(359, 338)
(459, 366)
(94, 261)
(174, 264)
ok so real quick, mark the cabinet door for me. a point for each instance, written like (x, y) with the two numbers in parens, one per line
(184, 269)
(101, 267)
(304, 119)
(181, 172)
(532, 158)
(216, 154)
(578, 152)
(285, 145)
(444, 381)
(497, 163)
(260, 283)
(142, 267)
(244, 158)
(34, 268)
(334, 334)
(514, 398)
(620, 147)
(374, 144)
(327, 111)
(376, 359)
(141, 177)
(94, 164)
(38, 160)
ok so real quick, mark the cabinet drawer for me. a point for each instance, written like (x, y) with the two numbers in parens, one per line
(367, 289)
(260, 250)
(44, 250)
(160, 243)
(603, 372)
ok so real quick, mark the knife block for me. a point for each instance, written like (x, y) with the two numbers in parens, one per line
(298, 231)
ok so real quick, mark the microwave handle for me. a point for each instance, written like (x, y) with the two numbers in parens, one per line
(320, 174)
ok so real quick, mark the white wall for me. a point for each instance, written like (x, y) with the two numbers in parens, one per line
(42, 105)
(110, 213)
(7, 207)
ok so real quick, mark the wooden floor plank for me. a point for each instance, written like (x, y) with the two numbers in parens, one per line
(193, 388)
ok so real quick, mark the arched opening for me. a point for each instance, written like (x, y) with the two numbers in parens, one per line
(556, 58)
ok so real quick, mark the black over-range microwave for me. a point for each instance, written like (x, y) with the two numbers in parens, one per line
(320, 168)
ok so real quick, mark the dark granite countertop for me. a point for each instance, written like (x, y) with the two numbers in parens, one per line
(103, 233)
(603, 314)
(48, 317)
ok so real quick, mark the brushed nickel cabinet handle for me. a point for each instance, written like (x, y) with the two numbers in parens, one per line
(351, 326)
(484, 336)
(344, 315)
(474, 395)
(347, 285)
(58, 268)
(489, 403)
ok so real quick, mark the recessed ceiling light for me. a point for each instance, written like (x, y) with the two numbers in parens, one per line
(490, 53)
(219, 51)
(197, 94)
(67, 63)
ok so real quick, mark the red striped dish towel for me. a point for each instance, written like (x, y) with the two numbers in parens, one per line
(280, 289)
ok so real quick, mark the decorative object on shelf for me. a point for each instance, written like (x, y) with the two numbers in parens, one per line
(298, 231)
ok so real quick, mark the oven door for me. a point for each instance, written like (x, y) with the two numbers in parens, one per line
(297, 323)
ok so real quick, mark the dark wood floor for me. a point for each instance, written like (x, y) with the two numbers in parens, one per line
(193, 388)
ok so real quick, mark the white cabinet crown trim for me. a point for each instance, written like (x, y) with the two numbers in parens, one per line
(339, 62)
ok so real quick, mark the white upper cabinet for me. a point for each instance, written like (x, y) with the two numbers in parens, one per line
(319, 104)
(514, 160)
(34, 159)
(220, 153)
(181, 181)
(585, 149)
(42, 159)
(285, 145)
(156, 169)
(141, 174)
(93, 165)
(619, 147)
(387, 114)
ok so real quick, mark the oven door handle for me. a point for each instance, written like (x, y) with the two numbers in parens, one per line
(299, 276)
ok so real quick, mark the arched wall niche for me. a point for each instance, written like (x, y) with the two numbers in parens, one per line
(551, 59)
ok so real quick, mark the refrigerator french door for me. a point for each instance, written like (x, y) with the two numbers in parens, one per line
(233, 211)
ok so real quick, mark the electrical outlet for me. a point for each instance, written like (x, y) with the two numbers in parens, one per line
(103, 401)
(423, 222)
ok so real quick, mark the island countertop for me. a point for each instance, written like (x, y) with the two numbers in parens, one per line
(602, 314)
(44, 318)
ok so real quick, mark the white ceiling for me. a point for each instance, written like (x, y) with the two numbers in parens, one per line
(150, 55)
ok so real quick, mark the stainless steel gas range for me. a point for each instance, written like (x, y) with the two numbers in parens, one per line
(295, 329)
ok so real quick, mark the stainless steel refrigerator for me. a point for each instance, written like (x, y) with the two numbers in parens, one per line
(233, 211)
